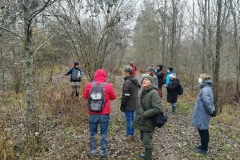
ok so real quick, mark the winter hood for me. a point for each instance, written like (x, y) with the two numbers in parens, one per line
(100, 76)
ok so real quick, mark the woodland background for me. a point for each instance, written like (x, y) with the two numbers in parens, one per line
(39, 39)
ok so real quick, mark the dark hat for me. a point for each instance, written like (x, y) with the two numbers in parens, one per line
(148, 77)
(76, 63)
(149, 69)
(170, 69)
(128, 69)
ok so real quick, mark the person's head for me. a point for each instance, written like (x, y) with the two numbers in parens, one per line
(173, 76)
(76, 65)
(170, 69)
(149, 71)
(131, 63)
(147, 81)
(152, 65)
(159, 67)
(203, 77)
(128, 71)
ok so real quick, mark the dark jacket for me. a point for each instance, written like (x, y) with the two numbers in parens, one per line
(160, 75)
(151, 101)
(172, 90)
(130, 86)
(204, 106)
(74, 73)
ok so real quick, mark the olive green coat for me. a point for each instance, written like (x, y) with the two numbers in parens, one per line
(151, 101)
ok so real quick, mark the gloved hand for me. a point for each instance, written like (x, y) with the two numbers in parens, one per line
(122, 108)
(213, 114)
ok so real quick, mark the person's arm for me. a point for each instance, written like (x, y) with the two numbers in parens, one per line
(67, 73)
(206, 101)
(125, 92)
(112, 94)
(173, 86)
(87, 90)
(155, 104)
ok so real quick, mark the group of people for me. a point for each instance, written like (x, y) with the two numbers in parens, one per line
(137, 116)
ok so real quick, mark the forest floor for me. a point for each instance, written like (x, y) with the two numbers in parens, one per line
(64, 130)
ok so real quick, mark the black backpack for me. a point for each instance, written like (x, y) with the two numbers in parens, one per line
(180, 90)
(96, 97)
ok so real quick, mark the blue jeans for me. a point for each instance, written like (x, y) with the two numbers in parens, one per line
(94, 120)
(129, 120)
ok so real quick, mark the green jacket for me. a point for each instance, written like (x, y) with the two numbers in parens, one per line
(151, 101)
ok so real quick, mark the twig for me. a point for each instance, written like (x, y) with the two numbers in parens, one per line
(41, 46)
(11, 32)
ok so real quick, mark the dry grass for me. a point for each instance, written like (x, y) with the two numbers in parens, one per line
(64, 134)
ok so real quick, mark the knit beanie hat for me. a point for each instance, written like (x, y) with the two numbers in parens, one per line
(76, 63)
(173, 75)
(170, 69)
(149, 77)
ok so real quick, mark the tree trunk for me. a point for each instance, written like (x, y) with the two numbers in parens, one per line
(217, 59)
(173, 45)
(204, 64)
(235, 35)
(210, 46)
(28, 52)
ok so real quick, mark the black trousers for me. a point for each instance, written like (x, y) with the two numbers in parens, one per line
(204, 134)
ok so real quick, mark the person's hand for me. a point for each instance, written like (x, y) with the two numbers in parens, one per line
(143, 117)
(165, 85)
(122, 108)
(213, 114)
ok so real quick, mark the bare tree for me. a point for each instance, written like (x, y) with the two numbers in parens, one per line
(236, 44)
(218, 50)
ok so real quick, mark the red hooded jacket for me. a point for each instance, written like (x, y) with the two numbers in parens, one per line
(101, 76)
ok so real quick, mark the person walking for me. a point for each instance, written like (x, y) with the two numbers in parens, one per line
(129, 100)
(100, 118)
(172, 89)
(168, 79)
(160, 75)
(203, 110)
(150, 99)
(76, 77)
(134, 68)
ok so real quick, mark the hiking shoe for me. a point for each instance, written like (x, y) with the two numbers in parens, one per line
(198, 146)
(92, 153)
(102, 155)
(200, 151)
(142, 155)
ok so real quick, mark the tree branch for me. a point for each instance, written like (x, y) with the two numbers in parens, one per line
(35, 13)
(42, 45)
(11, 32)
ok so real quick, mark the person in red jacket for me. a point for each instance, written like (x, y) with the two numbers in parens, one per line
(134, 68)
(100, 118)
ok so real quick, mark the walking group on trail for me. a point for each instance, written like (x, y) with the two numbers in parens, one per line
(140, 102)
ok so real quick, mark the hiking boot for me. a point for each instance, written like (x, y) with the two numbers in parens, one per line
(172, 113)
(147, 155)
(198, 146)
(77, 94)
(92, 153)
(103, 156)
(200, 151)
